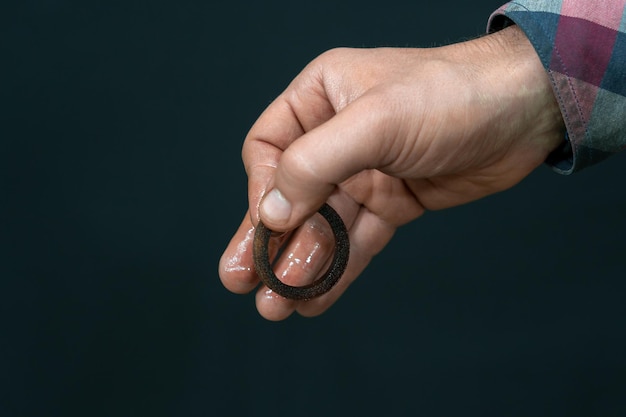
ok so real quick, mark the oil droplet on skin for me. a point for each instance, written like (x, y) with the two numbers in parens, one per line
(269, 295)
(236, 262)
(290, 265)
(309, 258)
(293, 261)
(296, 264)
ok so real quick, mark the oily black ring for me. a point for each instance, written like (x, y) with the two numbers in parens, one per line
(323, 284)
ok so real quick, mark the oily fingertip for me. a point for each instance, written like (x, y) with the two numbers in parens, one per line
(273, 307)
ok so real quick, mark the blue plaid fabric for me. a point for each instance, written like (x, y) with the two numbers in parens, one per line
(582, 45)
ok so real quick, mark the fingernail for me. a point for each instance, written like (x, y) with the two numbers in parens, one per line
(275, 208)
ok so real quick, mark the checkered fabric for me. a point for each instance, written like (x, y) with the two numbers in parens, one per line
(582, 45)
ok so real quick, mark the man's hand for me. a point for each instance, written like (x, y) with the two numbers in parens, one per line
(383, 135)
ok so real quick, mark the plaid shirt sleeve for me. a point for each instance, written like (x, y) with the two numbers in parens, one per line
(582, 45)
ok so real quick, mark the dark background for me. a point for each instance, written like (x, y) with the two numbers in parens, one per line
(121, 184)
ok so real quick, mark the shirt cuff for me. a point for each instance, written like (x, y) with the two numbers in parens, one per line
(582, 50)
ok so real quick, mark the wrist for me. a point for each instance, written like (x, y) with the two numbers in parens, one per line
(523, 87)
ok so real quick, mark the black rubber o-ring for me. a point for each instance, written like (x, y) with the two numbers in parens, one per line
(323, 284)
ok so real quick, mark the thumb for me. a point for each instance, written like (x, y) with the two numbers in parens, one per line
(314, 164)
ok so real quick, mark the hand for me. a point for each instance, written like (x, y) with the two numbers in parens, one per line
(383, 135)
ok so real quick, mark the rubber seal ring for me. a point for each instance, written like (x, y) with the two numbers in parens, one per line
(320, 286)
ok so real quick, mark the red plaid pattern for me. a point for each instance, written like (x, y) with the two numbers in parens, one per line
(582, 45)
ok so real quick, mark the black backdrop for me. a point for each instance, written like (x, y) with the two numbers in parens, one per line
(121, 182)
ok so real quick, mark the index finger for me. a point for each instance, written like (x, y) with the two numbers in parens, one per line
(302, 107)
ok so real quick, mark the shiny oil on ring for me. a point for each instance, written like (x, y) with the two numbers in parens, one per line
(320, 286)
